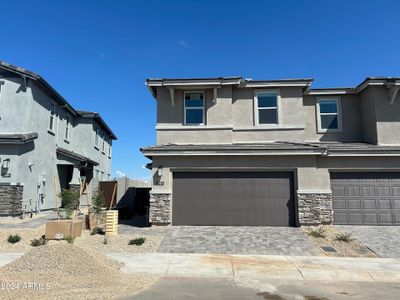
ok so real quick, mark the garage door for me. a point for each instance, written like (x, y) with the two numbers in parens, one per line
(366, 198)
(233, 198)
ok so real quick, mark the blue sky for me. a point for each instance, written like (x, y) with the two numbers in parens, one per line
(97, 54)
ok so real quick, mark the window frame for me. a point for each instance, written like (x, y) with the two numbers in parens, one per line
(197, 107)
(109, 148)
(103, 145)
(338, 114)
(277, 108)
(96, 137)
(52, 117)
(67, 128)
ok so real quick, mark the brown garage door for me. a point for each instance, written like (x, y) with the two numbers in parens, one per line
(233, 198)
(366, 198)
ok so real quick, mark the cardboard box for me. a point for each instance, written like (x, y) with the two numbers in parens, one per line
(60, 229)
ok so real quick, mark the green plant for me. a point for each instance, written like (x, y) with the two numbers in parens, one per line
(97, 230)
(38, 242)
(137, 242)
(12, 239)
(69, 201)
(344, 237)
(70, 239)
(317, 232)
(98, 202)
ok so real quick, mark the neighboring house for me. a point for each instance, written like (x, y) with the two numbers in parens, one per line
(43, 139)
(233, 151)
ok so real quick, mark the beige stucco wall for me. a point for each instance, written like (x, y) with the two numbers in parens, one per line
(351, 119)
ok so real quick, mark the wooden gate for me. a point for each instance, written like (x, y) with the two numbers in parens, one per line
(109, 190)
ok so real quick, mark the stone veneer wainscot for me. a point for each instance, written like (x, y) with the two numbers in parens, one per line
(11, 199)
(315, 208)
(160, 208)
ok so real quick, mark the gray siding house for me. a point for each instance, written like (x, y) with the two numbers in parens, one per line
(234, 151)
(44, 140)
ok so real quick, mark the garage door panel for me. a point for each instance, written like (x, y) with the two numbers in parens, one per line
(233, 198)
(340, 217)
(376, 204)
(339, 204)
(370, 218)
(354, 204)
(355, 218)
(369, 203)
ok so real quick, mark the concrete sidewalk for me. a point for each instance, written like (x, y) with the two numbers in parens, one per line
(261, 267)
(6, 258)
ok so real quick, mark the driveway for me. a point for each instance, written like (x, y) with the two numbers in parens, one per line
(383, 240)
(229, 239)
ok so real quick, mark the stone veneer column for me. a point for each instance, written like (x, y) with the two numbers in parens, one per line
(315, 208)
(11, 199)
(160, 208)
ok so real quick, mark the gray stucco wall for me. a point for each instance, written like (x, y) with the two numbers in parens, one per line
(369, 115)
(35, 164)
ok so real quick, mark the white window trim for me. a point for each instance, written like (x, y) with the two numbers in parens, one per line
(278, 105)
(196, 107)
(67, 135)
(109, 148)
(339, 114)
(96, 137)
(54, 116)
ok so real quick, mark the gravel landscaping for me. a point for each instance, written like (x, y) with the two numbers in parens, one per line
(118, 243)
(64, 271)
(26, 236)
(351, 248)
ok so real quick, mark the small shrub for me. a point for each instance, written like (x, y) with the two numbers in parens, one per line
(137, 242)
(97, 230)
(70, 239)
(344, 237)
(12, 239)
(98, 202)
(38, 242)
(318, 232)
(70, 201)
(105, 240)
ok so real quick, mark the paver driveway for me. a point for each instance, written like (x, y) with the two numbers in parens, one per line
(383, 240)
(237, 240)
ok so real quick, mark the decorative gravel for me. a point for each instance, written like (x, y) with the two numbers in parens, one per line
(351, 249)
(26, 236)
(118, 243)
(64, 271)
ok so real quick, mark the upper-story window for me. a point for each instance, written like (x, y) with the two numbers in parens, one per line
(266, 107)
(67, 127)
(109, 148)
(96, 137)
(194, 108)
(103, 145)
(52, 116)
(329, 116)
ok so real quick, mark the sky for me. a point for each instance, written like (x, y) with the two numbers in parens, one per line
(97, 54)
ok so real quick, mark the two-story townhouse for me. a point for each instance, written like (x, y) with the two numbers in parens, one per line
(45, 144)
(234, 151)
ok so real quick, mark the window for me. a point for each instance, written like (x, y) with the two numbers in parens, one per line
(109, 147)
(267, 108)
(103, 147)
(329, 114)
(96, 138)
(67, 123)
(194, 108)
(52, 116)
(97, 174)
